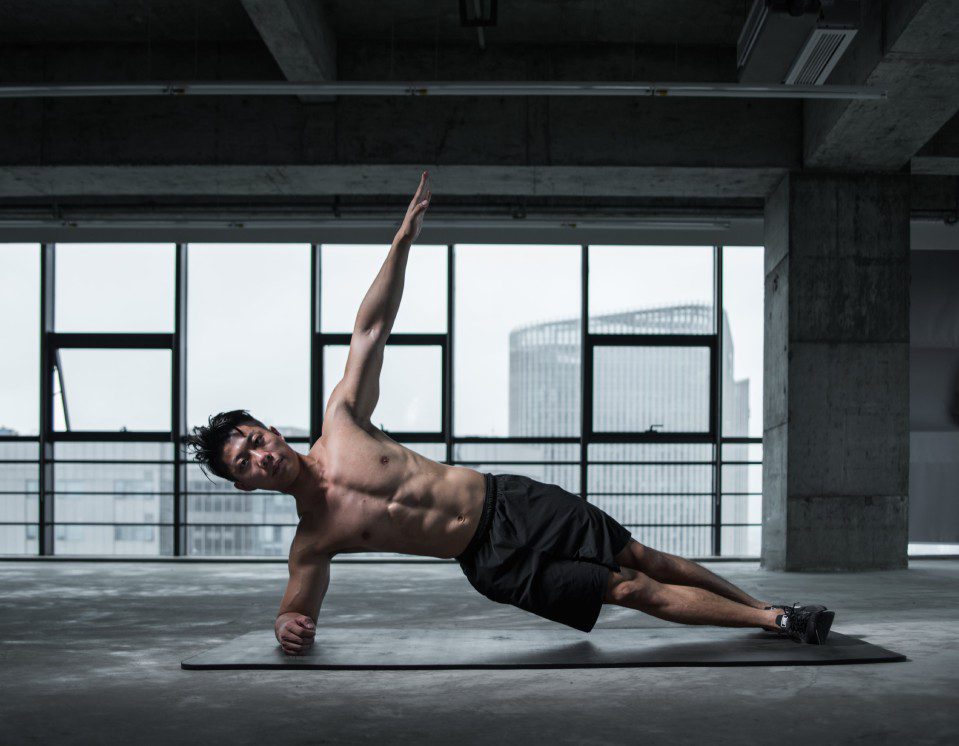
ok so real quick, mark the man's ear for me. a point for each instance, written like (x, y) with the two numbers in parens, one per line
(243, 487)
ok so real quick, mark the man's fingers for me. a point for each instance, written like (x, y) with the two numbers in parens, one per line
(303, 625)
(303, 632)
(298, 638)
(295, 648)
(424, 184)
(296, 642)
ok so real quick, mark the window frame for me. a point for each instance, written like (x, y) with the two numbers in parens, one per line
(704, 341)
(51, 342)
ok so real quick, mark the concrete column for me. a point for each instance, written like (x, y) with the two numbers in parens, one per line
(836, 389)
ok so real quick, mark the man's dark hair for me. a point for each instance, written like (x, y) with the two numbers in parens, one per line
(207, 441)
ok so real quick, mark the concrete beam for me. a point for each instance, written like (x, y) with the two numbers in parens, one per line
(935, 165)
(909, 49)
(940, 156)
(386, 179)
(720, 133)
(601, 131)
(298, 35)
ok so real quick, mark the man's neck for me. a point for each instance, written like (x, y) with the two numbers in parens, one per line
(306, 484)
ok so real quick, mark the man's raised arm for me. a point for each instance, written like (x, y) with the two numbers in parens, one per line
(360, 387)
(378, 309)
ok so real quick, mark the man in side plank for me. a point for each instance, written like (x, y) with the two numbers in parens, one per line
(518, 541)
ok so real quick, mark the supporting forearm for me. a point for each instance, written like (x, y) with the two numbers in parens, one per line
(382, 302)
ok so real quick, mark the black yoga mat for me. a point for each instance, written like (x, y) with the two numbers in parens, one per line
(384, 649)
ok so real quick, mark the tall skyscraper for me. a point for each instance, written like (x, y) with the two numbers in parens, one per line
(665, 502)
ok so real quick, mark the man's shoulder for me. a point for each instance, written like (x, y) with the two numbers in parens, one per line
(310, 546)
(340, 413)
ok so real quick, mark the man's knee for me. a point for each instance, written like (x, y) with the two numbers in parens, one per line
(638, 556)
(628, 587)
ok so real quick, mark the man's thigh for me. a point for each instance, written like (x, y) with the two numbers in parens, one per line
(570, 592)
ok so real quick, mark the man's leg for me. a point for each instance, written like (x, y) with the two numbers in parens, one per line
(668, 568)
(681, 603)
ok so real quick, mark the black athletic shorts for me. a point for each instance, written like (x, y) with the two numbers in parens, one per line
(543, 549)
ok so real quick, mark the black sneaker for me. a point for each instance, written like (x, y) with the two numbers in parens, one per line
(789, 607)
(808, 624)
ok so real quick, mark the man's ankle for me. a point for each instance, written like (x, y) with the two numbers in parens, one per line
(771, 616)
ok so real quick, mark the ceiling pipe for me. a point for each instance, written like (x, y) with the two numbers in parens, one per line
(441, 88)
(531, 223)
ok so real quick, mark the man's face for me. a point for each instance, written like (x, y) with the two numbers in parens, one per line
(259, 459)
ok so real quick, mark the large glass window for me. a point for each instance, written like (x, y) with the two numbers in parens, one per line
(114, 287)
(348, 270)
(742, 399)
(651, 389)
(19, 497)
(113, 498)
(667, 355)
(120, 390)
(661, 492)
(411, 386)
(248, 333)
(19, 339)
(517, 342)
(742, 331)
(651, 289)
(553, 463)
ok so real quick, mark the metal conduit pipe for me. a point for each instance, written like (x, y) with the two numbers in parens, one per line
(319, 223)
(441, 88)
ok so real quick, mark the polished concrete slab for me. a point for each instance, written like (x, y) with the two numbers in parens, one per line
(342, 649)
(90, 653)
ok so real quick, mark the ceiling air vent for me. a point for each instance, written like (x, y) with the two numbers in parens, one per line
(795, 41)
(819, 56)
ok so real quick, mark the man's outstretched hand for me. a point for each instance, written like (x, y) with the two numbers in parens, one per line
(295, 633)
(413, 222)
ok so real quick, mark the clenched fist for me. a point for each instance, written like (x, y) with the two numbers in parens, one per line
(295, 633)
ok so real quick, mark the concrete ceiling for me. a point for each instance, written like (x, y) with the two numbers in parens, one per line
(39, 21)
(641, 149)
(537, 21)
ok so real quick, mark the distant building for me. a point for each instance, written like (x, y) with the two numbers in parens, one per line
(635, 389)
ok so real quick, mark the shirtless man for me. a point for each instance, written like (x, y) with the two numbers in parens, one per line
(518, 541)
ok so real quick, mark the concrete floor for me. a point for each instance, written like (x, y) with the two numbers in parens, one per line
(90, 653)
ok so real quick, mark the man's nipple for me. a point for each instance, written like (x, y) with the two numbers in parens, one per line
(385, 460)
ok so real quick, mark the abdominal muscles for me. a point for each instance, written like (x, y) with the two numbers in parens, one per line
(408, 523)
